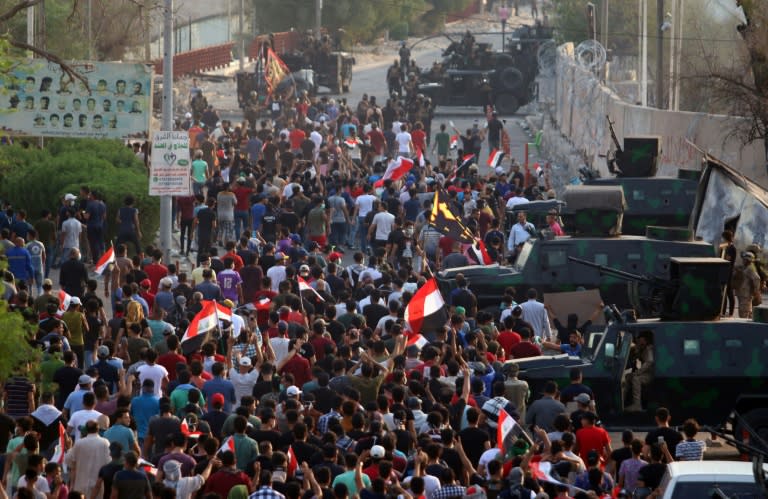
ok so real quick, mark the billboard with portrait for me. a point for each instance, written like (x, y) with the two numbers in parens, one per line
(38, 99)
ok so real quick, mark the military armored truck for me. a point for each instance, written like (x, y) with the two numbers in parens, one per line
(544, 265)
(703, 369)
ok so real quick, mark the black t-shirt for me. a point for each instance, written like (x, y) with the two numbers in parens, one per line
(397, 237)
(671, 437)
(452, 459)
(473, 440)
(66, 377)
(651, 474)
(373, 312)
(494, 129)
(289, 219)
(619, 456)
(106, 473)
(205, 219)
(269, 435)
(269, 227)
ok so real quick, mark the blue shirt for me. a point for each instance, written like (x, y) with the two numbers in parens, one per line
(20, 263)
(257, 213)
(143, 408)
(74, 401)
(222, 386)
(121, 434)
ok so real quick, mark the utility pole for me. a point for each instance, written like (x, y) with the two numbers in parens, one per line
(659, 54)
(30, 28)
(90, 30)
(241, 35)
(167, 126)
(318, 17)
(644, 53)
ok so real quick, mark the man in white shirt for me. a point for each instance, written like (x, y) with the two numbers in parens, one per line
(363, 206)
(519, 233)
(517, 199)
(243, 378)
(535, 313)
(382, 224)
(277, 272)
(77, 422)
(404, 142)
(71, 229)
(157, 373)
(280, 342)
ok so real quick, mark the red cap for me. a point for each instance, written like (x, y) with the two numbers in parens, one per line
(146, 283)
(334, 256)
(217, 399)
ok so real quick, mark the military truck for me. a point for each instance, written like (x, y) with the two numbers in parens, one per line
(472, 74)
(706, 369)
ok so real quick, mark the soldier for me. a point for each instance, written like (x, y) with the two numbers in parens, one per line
(405, 55)
(746, 284)
(394, 77)
(643, 372)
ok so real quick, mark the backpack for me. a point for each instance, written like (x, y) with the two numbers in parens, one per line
(134, 313)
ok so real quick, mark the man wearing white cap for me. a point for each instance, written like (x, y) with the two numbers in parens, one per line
(243, 377)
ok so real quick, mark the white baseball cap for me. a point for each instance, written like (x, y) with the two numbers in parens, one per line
(377, 452)
(293, 391)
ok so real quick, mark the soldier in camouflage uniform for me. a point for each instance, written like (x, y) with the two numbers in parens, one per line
(747, 284)
(643, 372)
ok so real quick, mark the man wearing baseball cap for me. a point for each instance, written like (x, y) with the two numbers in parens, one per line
(243, 377)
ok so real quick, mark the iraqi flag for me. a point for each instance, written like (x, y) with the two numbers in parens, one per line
(420, 158)
(64, 301)
(504, 426)
(495, 158)
(61, 446)
(203, 323)
(542, 471)
(426, 311)
(107, 258)
(396, 169)
(147, 467)
(480, 253)
(185, 430)
(303, 286)
(228, 445)
(466, 160)
(415, 339)
(454, 144)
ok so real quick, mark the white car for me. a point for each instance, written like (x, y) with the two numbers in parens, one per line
(705, 479)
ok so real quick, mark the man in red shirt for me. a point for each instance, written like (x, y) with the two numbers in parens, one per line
(221, 482)
(296, 364)
(232, 253)
(376, 140)
(156, 270)
(172, 358)
(320, 342)
(525, 348)
(242, 206)
(296, 136)
(508, 338)
(419, 138)
(592, 438)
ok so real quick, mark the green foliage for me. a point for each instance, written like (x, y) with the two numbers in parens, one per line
(570, 19)
(399, 31)
(36, 179)
(15, 338)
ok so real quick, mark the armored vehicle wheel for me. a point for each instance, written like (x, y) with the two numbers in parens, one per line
(511, 79)
(757, 419)
(506, 104)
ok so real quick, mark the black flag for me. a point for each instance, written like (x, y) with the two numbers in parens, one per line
(444, 221)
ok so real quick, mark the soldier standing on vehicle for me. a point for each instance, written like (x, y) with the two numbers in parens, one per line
(728, 252)
(746, 283)
(643, 372)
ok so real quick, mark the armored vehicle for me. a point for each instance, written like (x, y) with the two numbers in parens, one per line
(703, 369)
(471, 74)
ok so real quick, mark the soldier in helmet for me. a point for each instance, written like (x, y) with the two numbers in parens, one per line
(394, 77)
(759, 264)
(405, 55)
(642, 374)
(747, 285)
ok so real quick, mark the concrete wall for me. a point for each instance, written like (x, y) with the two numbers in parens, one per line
(579, 105)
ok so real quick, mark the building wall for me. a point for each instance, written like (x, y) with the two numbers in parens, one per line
(579, 105)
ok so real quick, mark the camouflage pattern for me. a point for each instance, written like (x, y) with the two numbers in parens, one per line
(657, 201)
(703, 370)
(544, 265)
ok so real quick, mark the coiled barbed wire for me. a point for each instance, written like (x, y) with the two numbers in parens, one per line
(591, 55)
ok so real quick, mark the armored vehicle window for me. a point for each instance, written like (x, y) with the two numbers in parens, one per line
(733, 343)
(601, 258)
(554, 258)
(691, 347)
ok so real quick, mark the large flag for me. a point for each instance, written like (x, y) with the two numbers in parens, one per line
(396, 169)
(303, 286)
(415, 339)
(203, 323)
(61, 446)
(542, 471)
(494, 158)
(443, 220)
(480, 252)
(274, 70)
(64, 300)
(107, 258)
(426, 311)
(504, 426)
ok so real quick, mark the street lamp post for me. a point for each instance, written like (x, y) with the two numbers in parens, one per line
(503, 16)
